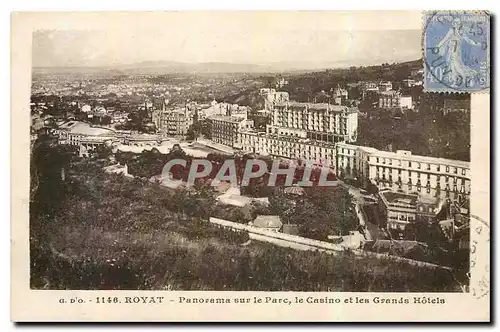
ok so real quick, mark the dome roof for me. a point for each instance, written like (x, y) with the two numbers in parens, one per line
(299, 191)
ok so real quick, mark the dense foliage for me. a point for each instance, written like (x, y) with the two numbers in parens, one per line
(428, 133)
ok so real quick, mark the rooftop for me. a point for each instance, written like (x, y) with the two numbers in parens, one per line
(295, 190)
(406, 156)
(392, 197)
(268, 222)
(314, 106)
(226, 118)
(81, 128)
(412, 157)
(390, 93)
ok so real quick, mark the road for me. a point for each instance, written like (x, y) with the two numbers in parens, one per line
(359, 201)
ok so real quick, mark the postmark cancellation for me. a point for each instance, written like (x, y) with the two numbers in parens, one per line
(456, 51)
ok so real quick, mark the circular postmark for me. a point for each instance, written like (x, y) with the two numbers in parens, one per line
(456, 51)
(479, 269)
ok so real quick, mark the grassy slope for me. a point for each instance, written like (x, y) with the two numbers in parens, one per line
(113, 233)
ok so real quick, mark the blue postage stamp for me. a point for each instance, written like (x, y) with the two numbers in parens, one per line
(456, 51)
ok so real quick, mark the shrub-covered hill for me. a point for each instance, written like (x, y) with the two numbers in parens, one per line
(110, 232)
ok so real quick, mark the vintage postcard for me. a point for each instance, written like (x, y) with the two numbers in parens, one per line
(251, 166)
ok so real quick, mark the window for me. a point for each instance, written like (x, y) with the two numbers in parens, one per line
(456, 170)
(428, 167)
(428, 189)
(409, 164)
(438, 168)
(418, 165)
(447, 168)
(463, 171)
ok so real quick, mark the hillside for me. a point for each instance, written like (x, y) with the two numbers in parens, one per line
(109, 232)
(303, 87)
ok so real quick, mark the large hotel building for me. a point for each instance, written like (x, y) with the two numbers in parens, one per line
(404, 172)
(317, 152)
(316, 121)
(303, 131)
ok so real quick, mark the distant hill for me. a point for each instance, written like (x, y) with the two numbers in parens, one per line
(172, 67)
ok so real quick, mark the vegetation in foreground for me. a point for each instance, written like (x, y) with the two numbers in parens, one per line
(109, 232)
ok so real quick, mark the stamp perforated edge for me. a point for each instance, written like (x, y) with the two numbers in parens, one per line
(424, 67)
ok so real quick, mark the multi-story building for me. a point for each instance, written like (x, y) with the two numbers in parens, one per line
(271, 97)
(85, 136)
(409, 83)
(340, 96)
(306, 150)
(173, 122)
(394, 99)
(253, 141)
(224, 128)
(177, 122)
(404, 172)
(368, 86)
(315, 121)
(399, 210)
(384, 86)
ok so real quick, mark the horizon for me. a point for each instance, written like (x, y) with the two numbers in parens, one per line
(116, 66)
(301, 40)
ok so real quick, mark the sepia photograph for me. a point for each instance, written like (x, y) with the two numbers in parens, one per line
(258, 152)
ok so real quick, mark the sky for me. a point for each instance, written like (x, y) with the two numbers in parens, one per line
(303, 38)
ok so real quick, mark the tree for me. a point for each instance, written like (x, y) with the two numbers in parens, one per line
(324, 211)
(48, 166)
(103, 151)
(281, 205)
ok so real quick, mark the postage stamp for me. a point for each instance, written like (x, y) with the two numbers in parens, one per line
(456, 51)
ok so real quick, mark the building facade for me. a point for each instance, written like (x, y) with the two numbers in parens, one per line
(271, 97)
(84, 136)
(304, 150)
(174, 122)
(315, 121)
(394, 99)
(397, 209)
(384, 86)
(224, 129)
(404, 172)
